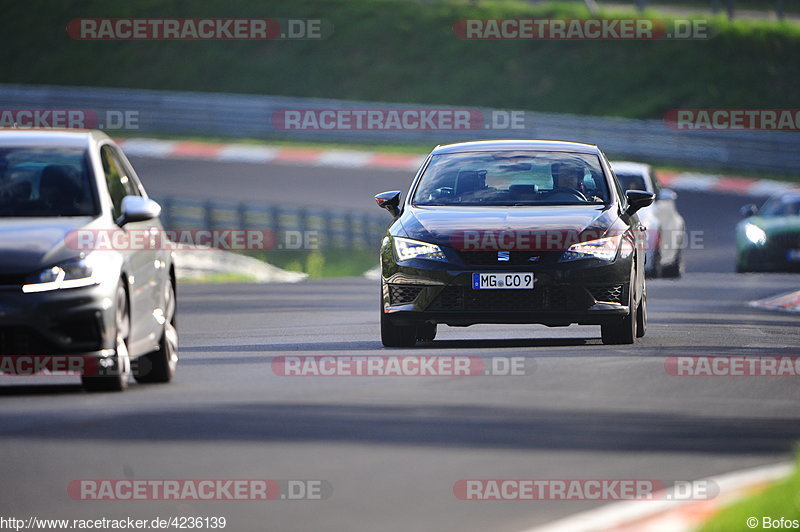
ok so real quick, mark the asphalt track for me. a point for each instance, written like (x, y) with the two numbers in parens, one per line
(392, 448)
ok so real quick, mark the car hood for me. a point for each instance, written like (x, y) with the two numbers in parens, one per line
(776, 224)
(440, 224)
(30, 244)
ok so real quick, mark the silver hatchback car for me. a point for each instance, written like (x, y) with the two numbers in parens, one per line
(67, 304)
(665, 227)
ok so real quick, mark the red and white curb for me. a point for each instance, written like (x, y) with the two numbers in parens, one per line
(784, 303)
(170, 149)
(667, 515)
(259, 154)
(743, 186)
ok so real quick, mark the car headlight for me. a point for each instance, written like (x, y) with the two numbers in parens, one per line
(71, 274)
(755, 234)
(406, 249)
(602, 248)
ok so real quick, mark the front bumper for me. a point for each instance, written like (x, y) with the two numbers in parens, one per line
(586, 292)
(54, 326)
(775, 256)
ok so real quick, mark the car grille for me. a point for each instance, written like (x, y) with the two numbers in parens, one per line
(400, 294)
(515, 258)
(561, 297)
(611, 293)
(558, 297)
(785, 240)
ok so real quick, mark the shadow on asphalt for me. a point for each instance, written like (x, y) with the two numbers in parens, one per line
(40, 389)
(428, 426)
(376, 346)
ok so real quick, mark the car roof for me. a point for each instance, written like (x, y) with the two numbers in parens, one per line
(630, 167)
(65, 138)
(512, 145)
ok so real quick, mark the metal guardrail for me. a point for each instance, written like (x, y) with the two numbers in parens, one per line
(331, 229)
(233, 115)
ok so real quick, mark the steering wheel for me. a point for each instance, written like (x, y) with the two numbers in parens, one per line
(566, 190)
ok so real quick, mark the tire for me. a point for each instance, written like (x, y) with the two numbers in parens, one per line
(397, 335)
(641, 316)
(622, 330)
(115, 377)
(657, 269)
(674, 270)
(160, 365)
(426, 332)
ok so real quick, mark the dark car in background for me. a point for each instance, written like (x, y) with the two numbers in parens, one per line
(665, 227)
(768, 239)
(109, 309)
(515, 231)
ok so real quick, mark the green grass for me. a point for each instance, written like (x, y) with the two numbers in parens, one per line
(321, 263)
(405, 51)
(220, 278)
(782, 499)
(756, 5)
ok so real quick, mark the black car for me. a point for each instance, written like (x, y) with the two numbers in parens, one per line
(68, 304)
(515, 231)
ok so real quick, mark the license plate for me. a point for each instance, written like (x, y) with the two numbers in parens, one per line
(793, 255)
(497, 281)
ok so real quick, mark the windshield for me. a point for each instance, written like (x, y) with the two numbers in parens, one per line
(782, 206)
(512, 178)
(45, 182)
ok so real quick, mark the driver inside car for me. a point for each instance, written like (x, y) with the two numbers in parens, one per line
(571, 176)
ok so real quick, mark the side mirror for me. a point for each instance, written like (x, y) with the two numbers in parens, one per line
(638, 199)
(389, 201)
(748, 210)
(667, 194)
(138, 209)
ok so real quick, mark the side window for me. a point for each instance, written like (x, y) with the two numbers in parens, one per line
(132, 182)
(615, 181)
(117, 181)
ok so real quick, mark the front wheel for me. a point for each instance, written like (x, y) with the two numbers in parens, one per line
(674, 270)
(641, 316)
(397, 335)
(622, 330)
(112, 373)
(160, 365)
(657, 269)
